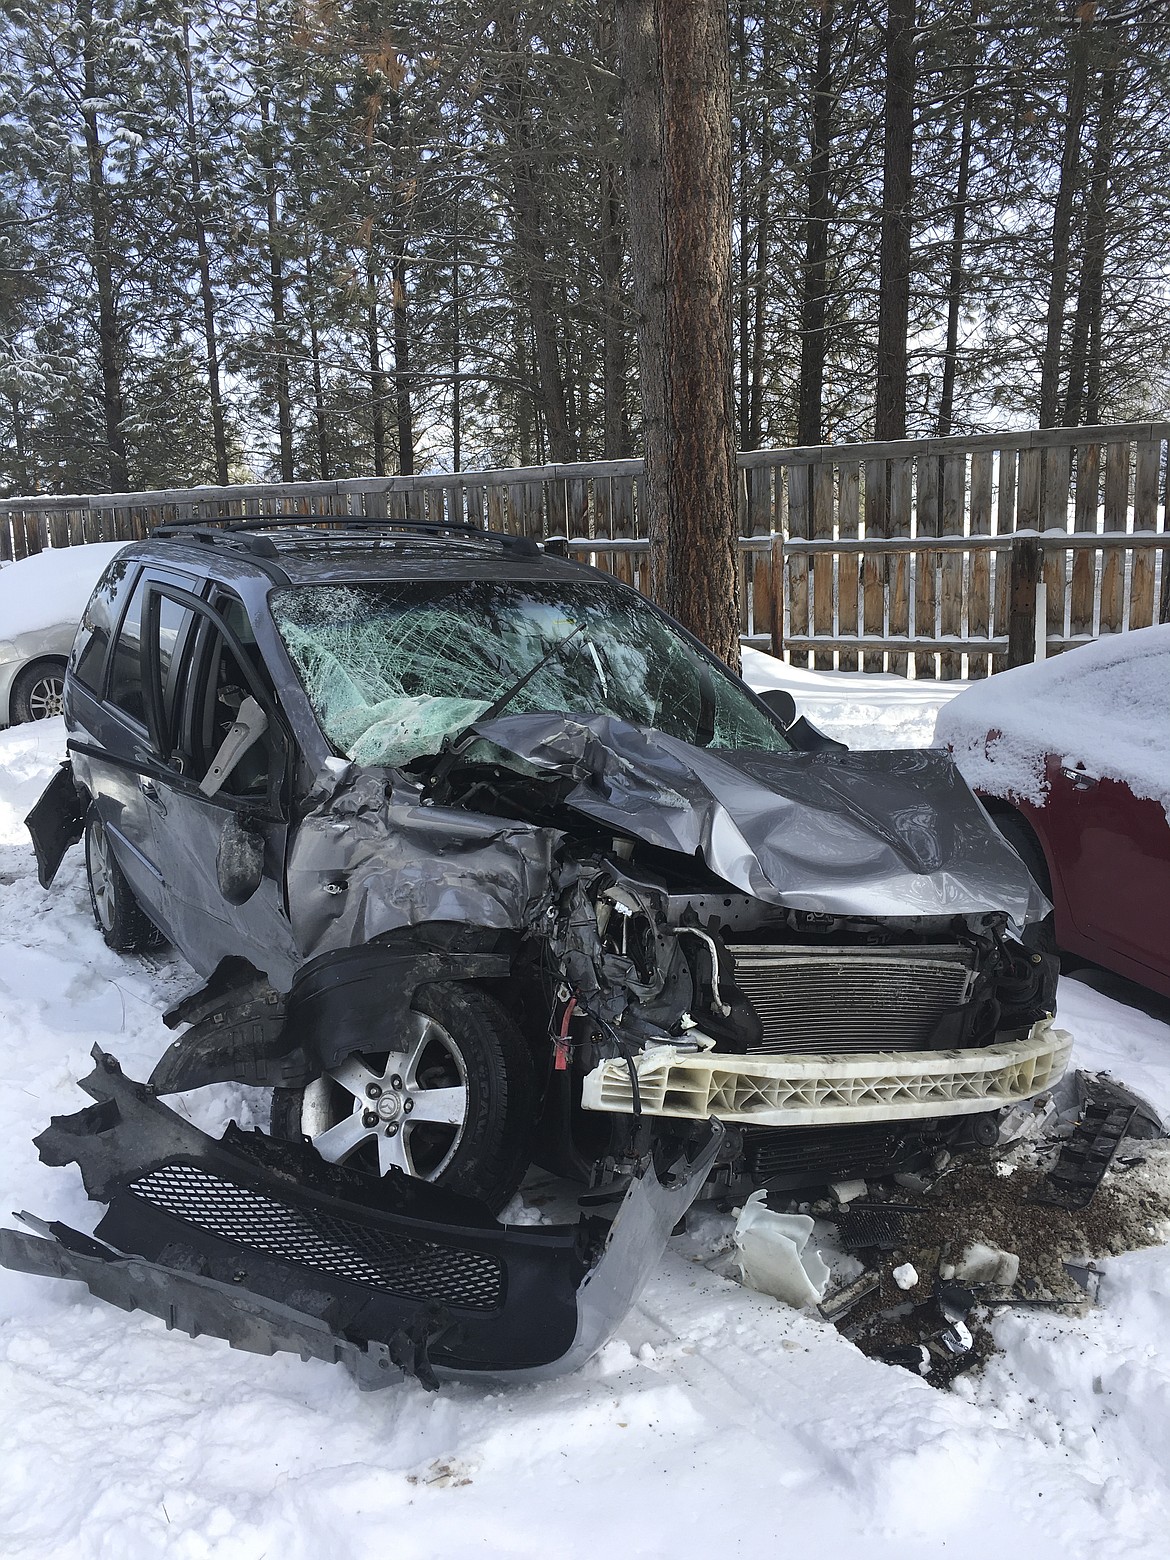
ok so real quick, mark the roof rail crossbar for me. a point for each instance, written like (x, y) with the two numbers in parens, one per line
(216, 530)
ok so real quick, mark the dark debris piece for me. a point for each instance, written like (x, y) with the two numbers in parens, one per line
(914, 1357)
(837, 1306)
(1086, 1155)
(874, 1226)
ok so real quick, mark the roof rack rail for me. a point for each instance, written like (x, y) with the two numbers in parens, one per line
(216, 530)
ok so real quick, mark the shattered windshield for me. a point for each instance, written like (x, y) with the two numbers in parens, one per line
(392, 669)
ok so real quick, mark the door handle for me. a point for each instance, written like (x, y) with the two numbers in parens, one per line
(150, 791)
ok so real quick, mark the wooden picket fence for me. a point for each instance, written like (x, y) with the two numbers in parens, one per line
(949, 557)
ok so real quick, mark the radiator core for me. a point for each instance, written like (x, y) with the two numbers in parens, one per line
(848, 1000)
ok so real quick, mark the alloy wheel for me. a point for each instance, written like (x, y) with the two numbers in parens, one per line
(403, 1110)
(101, 877)
(46, 697)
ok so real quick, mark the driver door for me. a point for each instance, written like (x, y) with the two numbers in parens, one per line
(205, 663)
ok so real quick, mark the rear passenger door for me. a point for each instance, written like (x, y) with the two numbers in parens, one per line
(205, 664)
(110, 742)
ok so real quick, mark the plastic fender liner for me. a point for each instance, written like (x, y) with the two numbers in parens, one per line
(243, 1031)
(236, 1035)
(263, 1244)
(351, 999)
(56, 821)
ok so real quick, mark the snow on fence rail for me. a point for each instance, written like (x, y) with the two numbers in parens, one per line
(933, 553)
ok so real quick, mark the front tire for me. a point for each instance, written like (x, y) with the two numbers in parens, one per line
(454, 1105)
(117, 914)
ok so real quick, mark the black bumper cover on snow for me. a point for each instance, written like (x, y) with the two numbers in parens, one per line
(265, 1245)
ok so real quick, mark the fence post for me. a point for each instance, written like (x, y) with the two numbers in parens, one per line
(776, 598)
(1025, 574)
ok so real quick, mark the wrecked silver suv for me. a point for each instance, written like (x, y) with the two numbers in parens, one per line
(486, 861)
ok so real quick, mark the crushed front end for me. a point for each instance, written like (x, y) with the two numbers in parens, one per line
(821, 951)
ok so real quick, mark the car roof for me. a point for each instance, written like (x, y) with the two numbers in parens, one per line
(304, 555)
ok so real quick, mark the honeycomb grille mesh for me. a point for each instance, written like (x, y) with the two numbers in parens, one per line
(355, 1253)
(846, 1001)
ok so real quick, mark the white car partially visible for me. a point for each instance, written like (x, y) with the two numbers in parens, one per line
(41, 602)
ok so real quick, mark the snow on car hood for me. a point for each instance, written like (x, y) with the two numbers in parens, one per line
(1105, 706)
(873, 833)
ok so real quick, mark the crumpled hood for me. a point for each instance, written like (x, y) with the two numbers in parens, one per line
(870, 833)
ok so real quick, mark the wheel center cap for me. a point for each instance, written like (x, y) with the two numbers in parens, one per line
(389, 1106)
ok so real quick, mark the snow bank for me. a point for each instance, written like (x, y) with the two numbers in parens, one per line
(861, 709)
(1105, 706)
(51, 587)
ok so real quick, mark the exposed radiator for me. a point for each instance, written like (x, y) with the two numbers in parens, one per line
(845, 1000)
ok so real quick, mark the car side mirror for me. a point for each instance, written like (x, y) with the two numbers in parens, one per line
(781, 703)
(246, 730)
(239, 861)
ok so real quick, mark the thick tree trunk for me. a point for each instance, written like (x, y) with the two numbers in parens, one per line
(1084, 365)
(763, 236)
(894, 247)
(676, 69)
(97, 191)
(814, 300)
(745, 214)
(1062, 215)
(207, 295)
(615, 427)
(525, 402)
(402, 384)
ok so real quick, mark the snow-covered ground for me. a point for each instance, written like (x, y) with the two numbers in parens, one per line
(720, 1422)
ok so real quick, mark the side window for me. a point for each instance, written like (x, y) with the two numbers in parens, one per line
(126, 689)
(174, 628)
(88, 658)
(219, 685)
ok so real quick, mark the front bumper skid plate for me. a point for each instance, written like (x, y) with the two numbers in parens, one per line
(263, 1244)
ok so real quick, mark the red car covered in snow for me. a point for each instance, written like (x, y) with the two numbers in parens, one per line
(1071, 757)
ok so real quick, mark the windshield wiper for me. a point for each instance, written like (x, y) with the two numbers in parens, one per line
(454, 747)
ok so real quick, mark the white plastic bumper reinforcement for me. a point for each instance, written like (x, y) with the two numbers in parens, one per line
(817, 1090)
